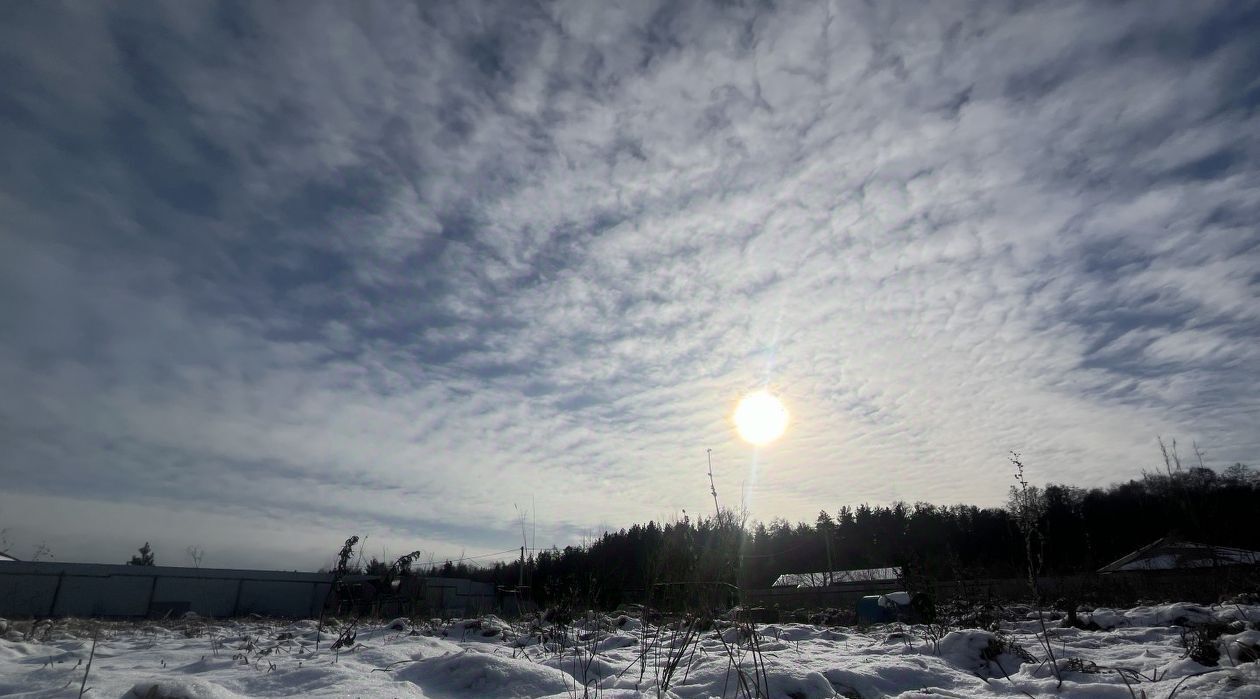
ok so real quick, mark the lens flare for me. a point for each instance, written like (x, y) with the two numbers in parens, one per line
(760, 418)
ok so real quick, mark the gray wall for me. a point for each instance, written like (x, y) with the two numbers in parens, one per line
(85, 589)
(449, 597)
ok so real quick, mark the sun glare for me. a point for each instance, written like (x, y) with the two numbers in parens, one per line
(760, 418)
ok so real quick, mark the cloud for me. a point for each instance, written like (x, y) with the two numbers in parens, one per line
(399, 268)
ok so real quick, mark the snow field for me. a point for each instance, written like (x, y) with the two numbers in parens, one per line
(1140, 650)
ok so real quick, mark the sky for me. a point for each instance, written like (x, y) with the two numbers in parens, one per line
(272, 274)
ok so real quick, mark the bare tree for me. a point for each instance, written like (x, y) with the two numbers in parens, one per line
(196, 553)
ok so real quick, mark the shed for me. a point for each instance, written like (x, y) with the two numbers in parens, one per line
(1170, 553)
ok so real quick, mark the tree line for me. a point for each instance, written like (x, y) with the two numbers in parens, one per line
(1077, 530)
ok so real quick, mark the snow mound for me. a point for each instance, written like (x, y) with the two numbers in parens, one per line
(978, 651)
(615, 641)
(889, 676)
(612, 694)
(476, 674)
(488, 629)
(587, 669)
(791, 686)
(1180, 614)
(1241, 647)
(628, 623)
(180, 689)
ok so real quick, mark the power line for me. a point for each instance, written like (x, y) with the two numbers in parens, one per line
(473, 558)
(774, 553)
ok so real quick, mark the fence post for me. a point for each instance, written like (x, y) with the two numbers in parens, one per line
(52, 607)
(148, 607)
(314, 598)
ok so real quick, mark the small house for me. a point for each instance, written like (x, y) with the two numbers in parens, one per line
(1171, 554)
(837, 577)
(832, 589)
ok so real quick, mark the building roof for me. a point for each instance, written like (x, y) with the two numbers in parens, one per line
(6, 557)
(1173, 554)
(836, 577)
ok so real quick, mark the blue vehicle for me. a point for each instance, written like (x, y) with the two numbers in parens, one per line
(883, 609)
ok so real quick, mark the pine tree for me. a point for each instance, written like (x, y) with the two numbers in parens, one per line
(146, 557)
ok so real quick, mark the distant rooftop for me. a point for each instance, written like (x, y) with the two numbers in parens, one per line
(837, 577)
(6, 557)
(1172, 554)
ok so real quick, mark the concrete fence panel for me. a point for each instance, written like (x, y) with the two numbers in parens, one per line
(26, 595)
(91, 590)
(213, 597)
(104, 596)
(281, 598)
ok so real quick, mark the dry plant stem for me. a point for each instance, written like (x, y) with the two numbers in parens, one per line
(676, 652)
(1008, 679)
(1027, 519)
(92, 654)
(1050, 650)
(734, 664)
(634, 662)
(760, 657)
(759, 680)
(1126, 684)
(1173, 693)
(691, 659)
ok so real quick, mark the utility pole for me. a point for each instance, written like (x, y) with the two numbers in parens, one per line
(826, 535)
(713, 488)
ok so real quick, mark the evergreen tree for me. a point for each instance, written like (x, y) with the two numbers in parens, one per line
(146, 557)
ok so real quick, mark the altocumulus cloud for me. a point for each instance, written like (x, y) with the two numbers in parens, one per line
(277, 273)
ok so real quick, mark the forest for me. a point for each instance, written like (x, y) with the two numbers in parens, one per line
(1074, 530)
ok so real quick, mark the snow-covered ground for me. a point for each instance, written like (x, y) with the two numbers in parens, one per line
(617, 657)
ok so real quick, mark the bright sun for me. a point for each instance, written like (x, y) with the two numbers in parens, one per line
(760, 418)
